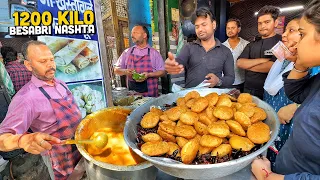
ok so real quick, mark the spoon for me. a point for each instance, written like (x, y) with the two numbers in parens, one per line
(98, 139)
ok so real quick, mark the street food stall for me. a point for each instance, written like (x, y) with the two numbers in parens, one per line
(198, 133)
(127, 156)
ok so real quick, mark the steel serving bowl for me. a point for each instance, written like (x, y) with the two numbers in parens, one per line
(208, 171)
(98, 170)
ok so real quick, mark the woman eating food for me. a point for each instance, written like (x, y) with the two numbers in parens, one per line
(299, 158)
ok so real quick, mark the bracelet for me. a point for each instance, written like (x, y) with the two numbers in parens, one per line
(267, 173)
(20, 139)
(299, 71)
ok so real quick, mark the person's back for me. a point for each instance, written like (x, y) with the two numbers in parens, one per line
(17, 71)
(19, 74)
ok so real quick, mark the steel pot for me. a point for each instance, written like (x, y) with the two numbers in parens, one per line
(209, 171)
(98, 170)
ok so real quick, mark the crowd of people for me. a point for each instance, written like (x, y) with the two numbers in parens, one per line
(45, 105)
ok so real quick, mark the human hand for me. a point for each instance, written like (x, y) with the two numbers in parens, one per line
(145, 77)
(293, 50)
(172, 66)
(286, 113)
(261, 168)
(36, 143)
(212, 79)
(128, 72)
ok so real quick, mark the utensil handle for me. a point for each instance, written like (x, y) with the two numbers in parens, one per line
(72, 141)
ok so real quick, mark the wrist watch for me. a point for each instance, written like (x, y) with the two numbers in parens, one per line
(219, 82)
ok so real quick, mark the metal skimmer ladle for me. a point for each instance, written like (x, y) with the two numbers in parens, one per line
(99, 139)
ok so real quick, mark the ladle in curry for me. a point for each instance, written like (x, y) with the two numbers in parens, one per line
(98, 139)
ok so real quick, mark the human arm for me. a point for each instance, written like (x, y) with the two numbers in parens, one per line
(262, 68)
(286, 113)
(120, 66)
(18, 120)
(297, 90)
(121, 72)
(261, 169)
(228, 71)
(34, 143)
(245, 63)
(156, 74)
(176, 65)
(157, 65)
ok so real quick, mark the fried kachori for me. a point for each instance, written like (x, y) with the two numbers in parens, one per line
(206, 126)
(259, 133)
(204, 118)
(223, 112)
(150, 120)
(164, 117)
(181, 101)
(155, 148)
(156, 110)
(210, 141)
(191, 95)
(189, 151)
(172, 148)
(224, 101)
(151, 137)
(189, 118)
(166, 136)
(219, 129)
(185, 131)
(259, 115)
(204, 150)
(201, 128)
(199, 105)
(212, 99)
(181, 141)
(243, 119)
(190, 103)
(222, 150)
(174, 113)
(241, 143)
(236, 128)
(209, 112)
(247, 109)
(168, 128)
(172, 123)
(244, 98)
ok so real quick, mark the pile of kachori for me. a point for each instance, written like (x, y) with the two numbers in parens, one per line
(213, 125)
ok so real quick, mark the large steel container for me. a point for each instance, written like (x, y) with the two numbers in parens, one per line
(210, 171)
(98, 170)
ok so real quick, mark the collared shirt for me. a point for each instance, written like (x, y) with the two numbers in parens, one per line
(198, 63)
(156, 59)
(238, 72)
(30, 108)
(18, 73)
(6, 80)
(254, 50)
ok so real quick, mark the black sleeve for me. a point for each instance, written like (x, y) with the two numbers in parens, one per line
(246, 52)
(228, 70)
(297, 90)
(184, 55)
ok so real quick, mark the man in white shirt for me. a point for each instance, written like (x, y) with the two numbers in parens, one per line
(236, 45)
